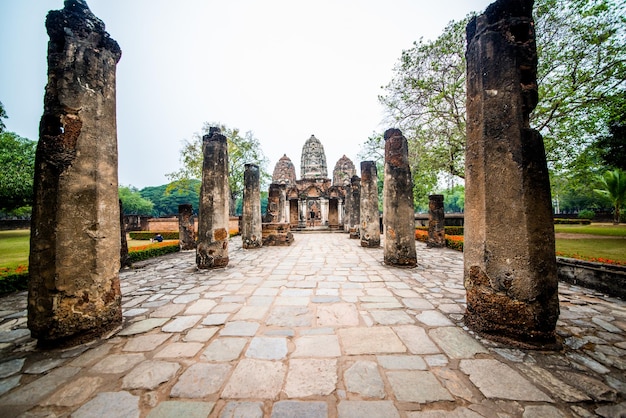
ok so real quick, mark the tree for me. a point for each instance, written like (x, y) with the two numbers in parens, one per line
(167, 197)
(3, 115)
(613, 185)
(17, 159)
(582, 70)
(133, 203)
(241, 150)
(612, 147)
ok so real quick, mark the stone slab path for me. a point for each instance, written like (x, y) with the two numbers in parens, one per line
(318, 329)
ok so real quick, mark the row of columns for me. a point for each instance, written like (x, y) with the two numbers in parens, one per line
(510, 266)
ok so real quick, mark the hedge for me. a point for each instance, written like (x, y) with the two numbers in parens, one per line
(449, 230)
(13, 282)
(148, 235)
(562, 221)
(454, 242)
(141, 253)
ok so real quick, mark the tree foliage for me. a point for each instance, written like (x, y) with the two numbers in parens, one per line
(167, 197)
(581, 46)
(133, 203)
(17, 159)
(613, 186)
(241, 150)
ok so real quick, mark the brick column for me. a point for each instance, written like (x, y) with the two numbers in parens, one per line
(251, 225)
(212, 249)
(186, 232)
(510, 265)
(370, 223)
(436, 222)
(398, 212)
(74, 289)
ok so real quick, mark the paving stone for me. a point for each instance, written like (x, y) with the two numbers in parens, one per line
(337, 315)
(117, 363)
(590, 386)
(11, 367)
(436, 360)
(176, 350)
(456, 343)
(150, 374)
(417, 386)
(75, 392)
(224, 349)
(317, 346)
(186, 298)
(260, 300)
(376, 340)
(311, 377)
(364, 379)
(434, 319)
(172, 409)
(201, 380)
(461, 412)
(402, 362)
(497, 380)
(290, 316)
(143, 343)
(135, 312)
(34, 392)
(242, 410)
(9, 383)
(227, 307)
(181, 323)
(394, 317)
(267, 348)
(240, 329)
(143, 326)
(555, 386)
(542, 411)
(360, 409)
(587, 362)
(43, 366)
(456, 383)
(416, 339)
(200, 334)
(13, 335)
(167, 311)
(215, 319)
(611, 411)
(90, 356)
(110, 404)
(260, 379)
(202, 306)
(300, 409)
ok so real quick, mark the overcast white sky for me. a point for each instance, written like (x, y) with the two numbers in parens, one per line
(283, 69)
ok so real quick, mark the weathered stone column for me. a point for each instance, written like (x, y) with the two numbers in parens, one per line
(212, 249)
(370, 225)
(355, 209)
(186, 231)
(398, 212)
(282, 202)
(272, 214)
(124, 260)
(251, 225)
(510, 265)
(436, 222)
(347, 217)
(74, 288)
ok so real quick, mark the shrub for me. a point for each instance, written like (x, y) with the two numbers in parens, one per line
(586, 214)
(455, 242)
(450, 230)
(148, 235)
(13, 280)
(145, 252)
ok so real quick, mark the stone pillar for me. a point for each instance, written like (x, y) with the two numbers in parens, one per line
(340, 211)
(272, 215)
(186, 231)
(436, 222)
(347, 217)
(212, 249)
(302, 215)
(370, 224)
(74, 289)
(282, 201)
(398, 212)
(355, 209)
(510, 269)
(251, 228)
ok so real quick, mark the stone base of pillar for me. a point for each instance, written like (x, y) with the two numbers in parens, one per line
(354, 233)
(368, 242)
(436, 239)
(251, 243)
(212, 255)
(277, 234)
(513, 322)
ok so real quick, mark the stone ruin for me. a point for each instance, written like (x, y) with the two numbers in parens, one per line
(354, 218)
(186, 228)
(212, 247)
(251, 223)
(74, 288)
(510, 265)
(369, 227)
(436, 222)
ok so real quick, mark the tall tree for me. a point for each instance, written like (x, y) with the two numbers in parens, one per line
(17, 159)
(582, 70)
(3, 115)
(241, 150)
(133, 203)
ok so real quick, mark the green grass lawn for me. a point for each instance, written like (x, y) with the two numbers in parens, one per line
(608, 230)
(589, 248)
(14, 247)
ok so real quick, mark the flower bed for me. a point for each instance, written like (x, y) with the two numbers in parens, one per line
(143, 252)
(454, 242)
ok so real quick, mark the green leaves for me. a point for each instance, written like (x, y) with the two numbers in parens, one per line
(17, 159)
(133, 203)
(613, 185)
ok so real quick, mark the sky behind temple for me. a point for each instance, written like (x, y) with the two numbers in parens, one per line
(283, 69)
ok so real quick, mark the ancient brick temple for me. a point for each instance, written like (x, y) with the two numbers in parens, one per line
(510, 264)
(74, 288)
(315, 200)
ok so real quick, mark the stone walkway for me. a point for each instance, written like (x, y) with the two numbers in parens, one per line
(318, 329)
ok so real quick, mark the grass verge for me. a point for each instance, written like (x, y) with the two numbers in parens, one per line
(606, 230)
